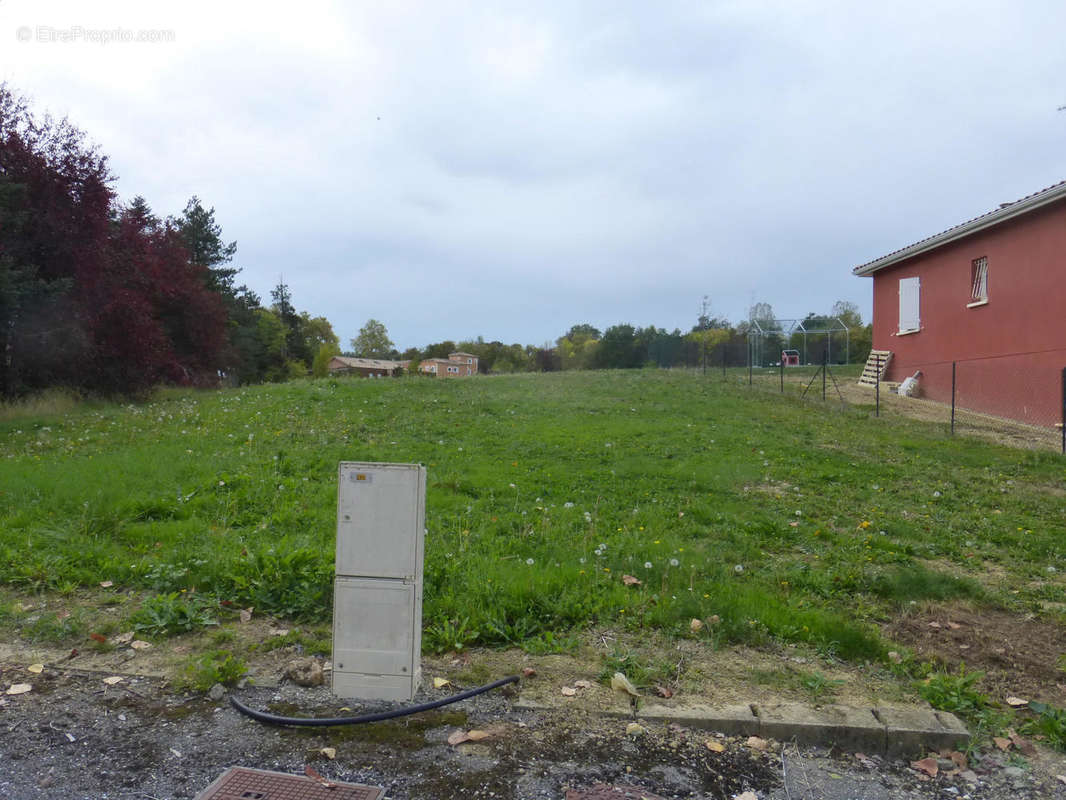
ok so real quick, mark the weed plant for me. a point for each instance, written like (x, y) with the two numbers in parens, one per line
(777, 518)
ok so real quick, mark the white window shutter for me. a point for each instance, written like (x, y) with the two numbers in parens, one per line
(909, 291)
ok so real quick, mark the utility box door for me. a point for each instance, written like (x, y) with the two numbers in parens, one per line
(380, 520)
(374, 627)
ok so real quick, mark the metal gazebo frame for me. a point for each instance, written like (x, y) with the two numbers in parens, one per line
(787, 328)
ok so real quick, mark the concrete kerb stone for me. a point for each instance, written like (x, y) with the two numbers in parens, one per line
(915, 730)
(733, 720)
(851, 728)
(891, 731)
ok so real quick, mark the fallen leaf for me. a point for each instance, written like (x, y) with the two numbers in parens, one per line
(246, 615)
(568, 691)
(1022, 744)
(746, 796)
(714, 619)
(664, 691)
(122, 638)
(620, 683)
(958, 759)
(528, 672)
(793, 524)
(1016, 702)
(1061, 778)
(715, 746)
(36, 669)
(894, 657)
(312, 773)
(934, 624)
(106, 584)
(757, 743)
(695, 625)
(440, 683)
(280, 632)
(926, 765)
(1001, 743)
(629, 580)
(458, 738)
(140, 645)
(635, 729)
(582, 685)
(954, 626)
(98, 637)
(477, 736)
(19, 688)
(329, 752)
(112, 680)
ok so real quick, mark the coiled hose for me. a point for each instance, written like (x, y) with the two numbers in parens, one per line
(275, 719)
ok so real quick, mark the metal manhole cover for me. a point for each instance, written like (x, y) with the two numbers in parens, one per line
(601, 791)
(242, 783)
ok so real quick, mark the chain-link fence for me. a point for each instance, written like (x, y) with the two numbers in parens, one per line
(1026, 389)
(1017, 399)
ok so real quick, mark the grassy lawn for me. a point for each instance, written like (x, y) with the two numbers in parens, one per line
(769, 518)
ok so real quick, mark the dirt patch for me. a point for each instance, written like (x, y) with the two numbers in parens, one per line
(967, 423)
(1019, 656)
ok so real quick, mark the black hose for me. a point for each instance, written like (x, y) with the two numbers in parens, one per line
(274, 719)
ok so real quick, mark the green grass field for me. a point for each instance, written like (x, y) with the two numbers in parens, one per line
(790, 520)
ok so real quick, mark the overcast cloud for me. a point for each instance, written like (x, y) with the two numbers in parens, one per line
(508, 170)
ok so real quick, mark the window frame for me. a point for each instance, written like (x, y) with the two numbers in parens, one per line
(978, 282)
(908, 287)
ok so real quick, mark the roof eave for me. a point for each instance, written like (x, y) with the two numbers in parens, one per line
(1023, 206)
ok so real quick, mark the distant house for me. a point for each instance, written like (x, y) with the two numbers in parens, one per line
(989, 294)
(366, 367)
(456, 365)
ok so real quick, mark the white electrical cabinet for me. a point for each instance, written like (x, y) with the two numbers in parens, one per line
(377, 595)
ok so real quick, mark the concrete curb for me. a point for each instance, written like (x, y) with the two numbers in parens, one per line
(880, 730)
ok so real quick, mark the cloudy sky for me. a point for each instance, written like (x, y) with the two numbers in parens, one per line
(508, 170)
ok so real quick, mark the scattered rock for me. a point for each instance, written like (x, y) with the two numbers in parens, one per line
(305, 672)
(217, 692)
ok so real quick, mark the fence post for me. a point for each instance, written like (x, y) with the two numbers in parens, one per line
(751, 358)
(1064, 410)
(877, 386)
(825, 366)
(952, 398)
(782, 374)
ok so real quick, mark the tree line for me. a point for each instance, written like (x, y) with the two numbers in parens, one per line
(109, 298)
(711, 342)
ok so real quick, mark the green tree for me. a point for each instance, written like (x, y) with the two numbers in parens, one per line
(203, 238)
(373, 341)
(320, 366)
(296, 346)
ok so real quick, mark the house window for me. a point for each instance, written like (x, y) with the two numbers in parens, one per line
(909, 292)
(470, 361)
(979, 282)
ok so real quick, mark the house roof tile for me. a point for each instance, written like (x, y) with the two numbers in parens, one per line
(1005, 212)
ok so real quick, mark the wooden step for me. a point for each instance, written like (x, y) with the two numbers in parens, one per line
(875, 367)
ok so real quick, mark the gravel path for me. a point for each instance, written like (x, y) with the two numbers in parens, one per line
(78, 738)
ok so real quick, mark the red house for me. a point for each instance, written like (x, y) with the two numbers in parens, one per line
(989, 295)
